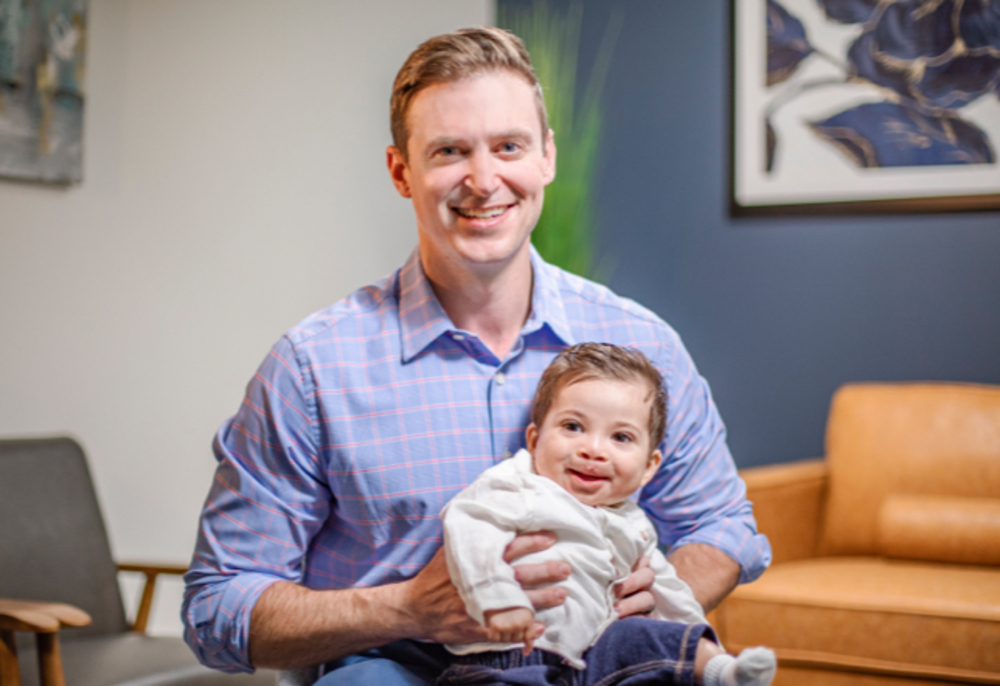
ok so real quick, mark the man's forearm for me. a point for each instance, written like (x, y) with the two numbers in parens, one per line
(292, 626)
(710, 573)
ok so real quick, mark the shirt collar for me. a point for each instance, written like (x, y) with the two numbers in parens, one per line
(546, 301)
(423, 320)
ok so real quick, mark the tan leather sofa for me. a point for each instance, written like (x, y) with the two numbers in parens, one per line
(886, 563)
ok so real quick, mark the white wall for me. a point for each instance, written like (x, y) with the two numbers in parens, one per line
(234, 182)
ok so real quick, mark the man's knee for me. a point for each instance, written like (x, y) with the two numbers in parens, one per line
(374, 672)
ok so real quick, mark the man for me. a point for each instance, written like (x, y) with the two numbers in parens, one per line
(320, 539)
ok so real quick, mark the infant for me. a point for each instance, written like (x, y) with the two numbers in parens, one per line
(598, 416)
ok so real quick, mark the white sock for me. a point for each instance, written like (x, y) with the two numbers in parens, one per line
(753, 667)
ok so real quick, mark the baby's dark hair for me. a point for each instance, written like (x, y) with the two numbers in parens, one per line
(602, 361)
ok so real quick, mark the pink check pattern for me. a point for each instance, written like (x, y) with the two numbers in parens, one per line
(367, 417)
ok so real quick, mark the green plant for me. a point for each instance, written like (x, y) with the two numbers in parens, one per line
(566, 230)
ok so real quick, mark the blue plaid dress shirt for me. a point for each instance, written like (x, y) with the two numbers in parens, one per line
(367, 417)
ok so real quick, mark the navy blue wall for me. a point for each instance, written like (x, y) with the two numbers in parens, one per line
(777, 312)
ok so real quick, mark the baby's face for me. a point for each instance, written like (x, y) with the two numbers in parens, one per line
(594, 441)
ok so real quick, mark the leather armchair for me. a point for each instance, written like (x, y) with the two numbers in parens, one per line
(886, 565)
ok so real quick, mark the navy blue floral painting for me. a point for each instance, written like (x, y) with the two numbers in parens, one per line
(927, 61)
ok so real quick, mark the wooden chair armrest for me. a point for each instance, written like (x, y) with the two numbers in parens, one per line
(788, 501)
(44, 619)
(22, 619)
(152, 568)
(39, 616)
(151, 571)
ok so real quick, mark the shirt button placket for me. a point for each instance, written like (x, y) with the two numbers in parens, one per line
(499, 379)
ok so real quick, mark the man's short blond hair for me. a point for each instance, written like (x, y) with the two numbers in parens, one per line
(586, 361)
(455, 56)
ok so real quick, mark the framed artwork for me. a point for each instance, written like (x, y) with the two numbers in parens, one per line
(865, 105)
(41, 89)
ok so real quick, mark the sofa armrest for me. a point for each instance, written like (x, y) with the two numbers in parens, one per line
(788, 502)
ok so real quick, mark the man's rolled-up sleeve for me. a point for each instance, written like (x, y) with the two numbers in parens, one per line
(266, 502)
(697, 495)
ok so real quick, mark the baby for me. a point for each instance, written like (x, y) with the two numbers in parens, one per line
(597, 418)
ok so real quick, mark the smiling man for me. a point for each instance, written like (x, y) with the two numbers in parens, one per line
(320, 542)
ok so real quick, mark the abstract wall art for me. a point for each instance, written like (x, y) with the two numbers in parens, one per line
(41, 89)
(866, 105)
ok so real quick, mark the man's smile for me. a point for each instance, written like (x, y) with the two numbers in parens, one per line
(481, 212)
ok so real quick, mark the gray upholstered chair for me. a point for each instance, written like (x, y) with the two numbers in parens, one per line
(54, 549)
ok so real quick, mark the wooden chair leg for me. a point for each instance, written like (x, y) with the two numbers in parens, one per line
(49, 660)
(146, 603)
(10, 672)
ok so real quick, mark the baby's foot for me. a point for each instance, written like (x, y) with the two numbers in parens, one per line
(753, 667)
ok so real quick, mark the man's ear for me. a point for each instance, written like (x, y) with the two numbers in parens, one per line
(531, 435)
(399, 170)
(549, 171)
(655, 459)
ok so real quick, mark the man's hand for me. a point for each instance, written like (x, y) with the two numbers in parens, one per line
(437, 613)
(435, 609)
(514, 625)
(634, 596)
(537, 579)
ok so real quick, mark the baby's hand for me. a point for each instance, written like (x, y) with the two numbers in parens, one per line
(513, 625)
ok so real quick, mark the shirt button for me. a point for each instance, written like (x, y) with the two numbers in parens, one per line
(500, 378)
(458, 337)
(506, 454)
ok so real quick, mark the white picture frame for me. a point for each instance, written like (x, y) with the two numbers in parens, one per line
(810, 172)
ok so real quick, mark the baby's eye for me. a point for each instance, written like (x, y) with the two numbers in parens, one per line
(571, 426)
(622, 437)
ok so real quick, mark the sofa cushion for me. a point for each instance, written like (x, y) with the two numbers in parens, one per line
(916, 439)
(888, 616)
(938, 528)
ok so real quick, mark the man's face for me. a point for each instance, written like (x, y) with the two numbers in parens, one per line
(476, 170)
(594, 441)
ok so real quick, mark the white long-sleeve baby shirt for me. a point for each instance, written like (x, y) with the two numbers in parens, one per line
(601, 545)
